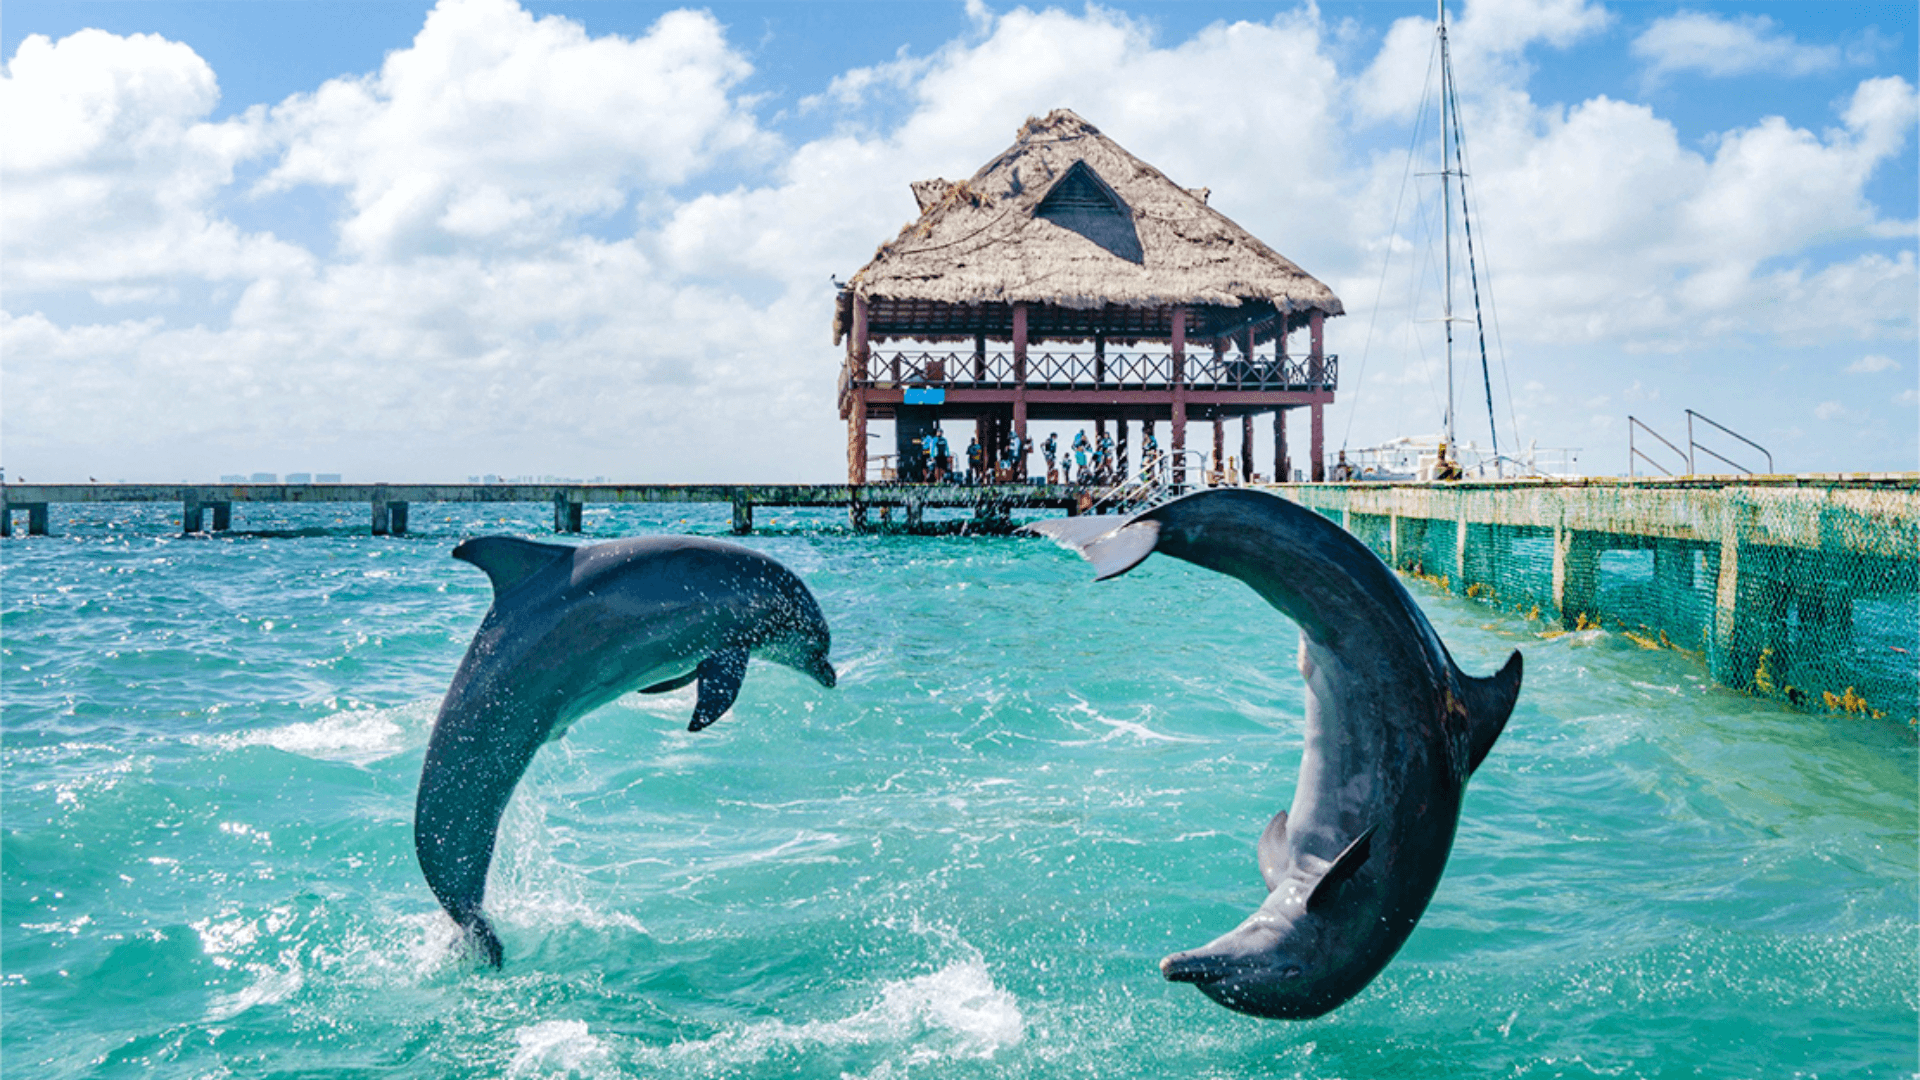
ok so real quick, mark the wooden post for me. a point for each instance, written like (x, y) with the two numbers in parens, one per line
(37, 519)
(192, 516)
(1099, 359)
(1219, 447)
(916, 514)
(1020, 429)
(1461, 536)
(222, 516)
(742, 514)
(980, 356)
(1316, 365)
(1393, 538)
(859, 346)
(1281, 473)
(857, 441)
(1177, 441)
(6, 519)
(1246, 446)
(1019, 344)
(1120, 451)
(380, 518)
(397, 518)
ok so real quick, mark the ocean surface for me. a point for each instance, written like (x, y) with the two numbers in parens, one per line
(965, 861)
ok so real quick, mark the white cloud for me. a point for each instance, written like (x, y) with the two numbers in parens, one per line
(1869, 364)
(110, 168)
(1829, 410)
(499, 129)
(577, 254)
(1712, 45)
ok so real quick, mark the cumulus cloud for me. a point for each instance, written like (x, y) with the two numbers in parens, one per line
(1829, 410)
(1718, 46)
(567, 252)
(501, 129)
(111, 168)
(1871, 363)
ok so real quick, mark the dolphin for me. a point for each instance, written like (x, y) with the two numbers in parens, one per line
(570, 629)
(1393, 731)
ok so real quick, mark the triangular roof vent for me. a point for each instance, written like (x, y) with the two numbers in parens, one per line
(1083, 203)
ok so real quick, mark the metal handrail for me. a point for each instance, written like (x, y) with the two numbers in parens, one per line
(1633, 452)
(1693, 445)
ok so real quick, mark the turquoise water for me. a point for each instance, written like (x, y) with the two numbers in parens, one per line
(964, 861)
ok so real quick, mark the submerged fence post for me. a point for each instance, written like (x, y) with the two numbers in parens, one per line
(192, 515)
(742, 514)
(1576, 574)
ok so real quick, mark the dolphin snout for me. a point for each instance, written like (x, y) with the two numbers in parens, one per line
(1190, 967)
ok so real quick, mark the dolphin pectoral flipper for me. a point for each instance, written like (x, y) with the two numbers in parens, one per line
(1489, 702)
(1113, 550)
(509, 560)
(719, 676)
(1344, 866)
(671, 684)
(1273, 851)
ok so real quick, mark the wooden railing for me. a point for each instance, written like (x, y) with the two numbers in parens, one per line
(1079, 370)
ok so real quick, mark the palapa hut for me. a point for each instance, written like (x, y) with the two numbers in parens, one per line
(1069, 242)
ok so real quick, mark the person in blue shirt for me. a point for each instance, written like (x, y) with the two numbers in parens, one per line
(1051, 448)
(1080, 446)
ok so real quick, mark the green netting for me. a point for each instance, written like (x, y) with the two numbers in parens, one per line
(1801, 591)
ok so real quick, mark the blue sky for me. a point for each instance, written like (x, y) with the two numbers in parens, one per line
(402, 240)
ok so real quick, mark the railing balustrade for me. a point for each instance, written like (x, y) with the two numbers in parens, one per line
(1114, 370)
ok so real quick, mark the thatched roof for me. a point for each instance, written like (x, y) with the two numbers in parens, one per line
(1066, 218)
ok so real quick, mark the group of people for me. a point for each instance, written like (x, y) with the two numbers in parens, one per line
(1087, 462)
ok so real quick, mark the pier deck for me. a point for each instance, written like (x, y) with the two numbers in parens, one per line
(389, 503)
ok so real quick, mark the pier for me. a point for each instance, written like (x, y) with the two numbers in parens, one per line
(389, 504)
(1804, 588)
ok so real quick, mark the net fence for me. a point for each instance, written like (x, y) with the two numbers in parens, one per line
(1803, 589)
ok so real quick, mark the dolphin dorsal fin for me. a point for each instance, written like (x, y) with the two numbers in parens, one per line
(1342, 869)
(1273, 851)
(1489, 702)
(509, 560)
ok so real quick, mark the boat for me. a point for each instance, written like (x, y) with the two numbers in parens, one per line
(1441, 456)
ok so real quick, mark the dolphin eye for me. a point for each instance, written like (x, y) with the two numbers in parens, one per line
(1290, 971)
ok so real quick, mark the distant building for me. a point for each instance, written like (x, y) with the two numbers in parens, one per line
(326, 478)
(299, 478)
(264, 478)
(1151, 305)
(233, 478)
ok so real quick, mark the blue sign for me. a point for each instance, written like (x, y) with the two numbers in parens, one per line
(923, 395)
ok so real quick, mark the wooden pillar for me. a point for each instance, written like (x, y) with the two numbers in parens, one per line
(381, 520)
(742, 514)
(1177, 440)
(192, 516)
(1120, 451)
(6, 519)
(916, 514)
(1020, 429)
(858, 346)
(980, 356)
(1316, 361)
(857, 441)
(1100, 359)
(222, 516)
(37, 519)
(1246, 445)
(567, 514)
(1282, 473)
(1219, 447)
(397, 518)
(1019, 344)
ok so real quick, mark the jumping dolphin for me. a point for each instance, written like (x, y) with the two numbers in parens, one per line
(570, 629)
(1393, 730)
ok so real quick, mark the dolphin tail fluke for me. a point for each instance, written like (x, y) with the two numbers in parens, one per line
(482, 939)
(1489, 702)
(1112, 549)
(720, 676)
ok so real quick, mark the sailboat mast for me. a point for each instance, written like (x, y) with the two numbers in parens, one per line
(1446, 213)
